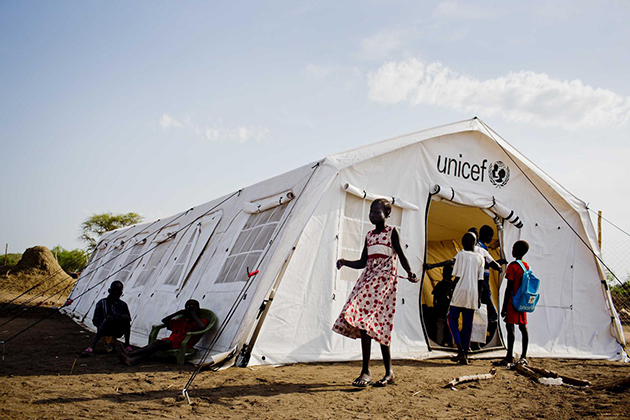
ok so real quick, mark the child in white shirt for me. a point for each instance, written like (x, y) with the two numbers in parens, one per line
(468, 272)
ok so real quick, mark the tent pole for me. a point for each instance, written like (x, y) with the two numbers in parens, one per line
(599, 230)
(243, 357)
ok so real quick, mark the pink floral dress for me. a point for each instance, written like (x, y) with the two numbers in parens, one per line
(372, 302)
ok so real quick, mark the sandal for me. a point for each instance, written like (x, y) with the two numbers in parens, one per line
(502, 362)
(87, 352)
(361, 382)
(384, 382)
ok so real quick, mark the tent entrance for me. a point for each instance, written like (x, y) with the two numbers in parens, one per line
(446, 224)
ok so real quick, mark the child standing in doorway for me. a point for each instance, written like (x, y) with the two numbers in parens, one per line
(468, 272)
(369, 311)
(441, 301)
(514, 275)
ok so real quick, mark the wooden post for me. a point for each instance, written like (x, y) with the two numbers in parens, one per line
(6, 249)
(599, 229)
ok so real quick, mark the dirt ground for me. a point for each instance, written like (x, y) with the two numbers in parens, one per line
(41, 377)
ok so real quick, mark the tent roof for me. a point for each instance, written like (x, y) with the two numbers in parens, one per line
(360, 154)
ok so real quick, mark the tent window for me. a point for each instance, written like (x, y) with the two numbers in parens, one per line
(109, 265)
(161, 245)
(201, 257)
(355, 225)
(250, 244)
(181, 262)
(127, 266)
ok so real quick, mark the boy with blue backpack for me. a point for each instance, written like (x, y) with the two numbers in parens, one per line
(511, 314)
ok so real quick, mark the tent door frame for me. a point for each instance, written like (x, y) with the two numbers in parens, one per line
(500, 229)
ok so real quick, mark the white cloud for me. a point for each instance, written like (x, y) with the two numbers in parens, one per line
(448, 10)
(523, 96)
(217, 132)
(167, 122)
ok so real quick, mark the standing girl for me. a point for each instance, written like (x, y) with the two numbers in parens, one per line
(369, 311)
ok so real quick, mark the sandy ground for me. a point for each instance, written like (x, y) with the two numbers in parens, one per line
(41, 377)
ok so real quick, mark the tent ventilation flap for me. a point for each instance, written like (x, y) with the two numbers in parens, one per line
(489, 205)
(268, 203)
(396, 201)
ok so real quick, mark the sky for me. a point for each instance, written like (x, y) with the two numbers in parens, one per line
(157, 106)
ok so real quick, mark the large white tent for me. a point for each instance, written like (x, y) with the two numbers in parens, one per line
(292, 229)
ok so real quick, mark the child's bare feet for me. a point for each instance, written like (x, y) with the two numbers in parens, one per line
(386, 380)
(126, 360)
(364, 380)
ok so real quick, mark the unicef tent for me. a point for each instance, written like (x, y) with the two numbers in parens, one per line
(292, 228)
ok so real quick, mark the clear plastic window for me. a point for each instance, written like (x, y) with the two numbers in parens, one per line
(250, 244)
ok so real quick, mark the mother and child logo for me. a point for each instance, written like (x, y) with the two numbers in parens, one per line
(498, 173)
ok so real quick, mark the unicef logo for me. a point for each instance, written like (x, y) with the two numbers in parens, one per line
(499, 174)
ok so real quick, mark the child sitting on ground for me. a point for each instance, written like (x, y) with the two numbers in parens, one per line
(111, 319)
(188, 321)
(511, 316)
(468, 272)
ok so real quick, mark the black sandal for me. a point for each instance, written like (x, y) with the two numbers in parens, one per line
(361, 382)
(384, 382)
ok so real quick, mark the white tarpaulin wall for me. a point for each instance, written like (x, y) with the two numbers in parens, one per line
(295, 226)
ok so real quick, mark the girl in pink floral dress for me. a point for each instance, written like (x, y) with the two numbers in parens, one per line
(369, 311)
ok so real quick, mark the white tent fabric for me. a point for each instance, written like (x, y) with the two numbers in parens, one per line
(293, 228)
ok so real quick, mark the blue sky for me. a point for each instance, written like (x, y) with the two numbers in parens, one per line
(158, 106)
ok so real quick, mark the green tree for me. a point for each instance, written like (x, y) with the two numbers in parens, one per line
(97, 224)
(70, 260)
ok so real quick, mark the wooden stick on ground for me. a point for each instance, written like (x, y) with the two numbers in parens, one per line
(618, 383)
(527, 371)
(73, 363)
(470, 378)
(566, 379)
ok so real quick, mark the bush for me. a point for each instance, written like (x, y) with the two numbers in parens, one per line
(70, 260)
(12, 259)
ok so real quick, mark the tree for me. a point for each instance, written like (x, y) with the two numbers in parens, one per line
(97, 224)
(70, 260)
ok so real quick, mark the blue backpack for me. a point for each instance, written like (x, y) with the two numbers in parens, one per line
(527, 295)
